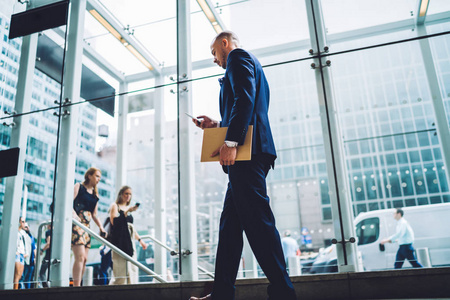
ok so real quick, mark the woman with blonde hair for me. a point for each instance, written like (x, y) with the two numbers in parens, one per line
(85, 202)
(122, 235)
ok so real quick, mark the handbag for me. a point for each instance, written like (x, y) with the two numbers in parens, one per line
(108, 229)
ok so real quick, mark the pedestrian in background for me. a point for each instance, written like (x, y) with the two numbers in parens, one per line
(45, 265)
(290, 246)
(30, 259)
(20, 255)
(404, 235)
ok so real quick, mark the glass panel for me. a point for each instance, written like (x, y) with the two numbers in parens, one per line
(438, 6)
(209, 193)
(390, 108)
(297, 187)
(364, 15)
(37, 185)
(376, 22)
(440, 47)
(285, 37)
(96, 147)
(144, 172)
(35, 121)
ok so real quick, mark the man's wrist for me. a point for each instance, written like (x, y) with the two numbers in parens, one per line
(231, 144)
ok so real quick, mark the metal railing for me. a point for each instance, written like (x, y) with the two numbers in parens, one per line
(114, 248)
(175, 253)
(120, 252)
(38, 252)
(104, 241)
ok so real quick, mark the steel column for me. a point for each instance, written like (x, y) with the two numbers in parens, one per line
(65, 173)
(186, 185)
(121, 170)
(337, 176)
(160, 179)
(442, 127)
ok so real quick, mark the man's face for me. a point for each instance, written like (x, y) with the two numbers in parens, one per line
(397, 216)
(218, 50)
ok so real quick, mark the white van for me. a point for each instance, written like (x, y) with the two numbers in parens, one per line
(431, 226)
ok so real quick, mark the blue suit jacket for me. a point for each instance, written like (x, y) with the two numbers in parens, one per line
(244, 101)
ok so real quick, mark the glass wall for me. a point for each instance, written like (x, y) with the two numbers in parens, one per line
(386, 92)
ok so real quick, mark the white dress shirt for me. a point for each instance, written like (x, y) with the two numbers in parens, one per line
(403, 233)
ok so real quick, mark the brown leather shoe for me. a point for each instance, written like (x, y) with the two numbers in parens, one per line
(207, 297)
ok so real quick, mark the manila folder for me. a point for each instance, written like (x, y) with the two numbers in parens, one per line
(213, 138)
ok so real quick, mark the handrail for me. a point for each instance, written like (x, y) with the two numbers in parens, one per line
(38, 252)
(171, 251)
(120, 252)
(206, 272)
(98, 237)
(114, 248)
(174, 252)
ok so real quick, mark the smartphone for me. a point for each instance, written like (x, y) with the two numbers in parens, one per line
(137, 204)
(103, 234)
(192, 117)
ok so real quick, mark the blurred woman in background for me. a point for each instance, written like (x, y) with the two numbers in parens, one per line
(122, 235)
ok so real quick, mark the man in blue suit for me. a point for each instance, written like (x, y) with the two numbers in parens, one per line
(244, 101)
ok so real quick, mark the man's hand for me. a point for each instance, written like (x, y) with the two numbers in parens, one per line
(207, 122)
(227, 155)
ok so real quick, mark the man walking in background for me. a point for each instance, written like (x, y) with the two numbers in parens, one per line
(290, 247)
(405, 237)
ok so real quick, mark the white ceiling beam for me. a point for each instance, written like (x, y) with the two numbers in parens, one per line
(97, 59)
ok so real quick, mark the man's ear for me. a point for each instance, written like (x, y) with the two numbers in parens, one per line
(225, 43)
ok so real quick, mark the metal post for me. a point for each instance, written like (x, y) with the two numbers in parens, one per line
(19, 134)
(24, 202)
(337, 175)
(160, 179)
(121, 170)
(62, 227)
(442, 128)
(186, 190)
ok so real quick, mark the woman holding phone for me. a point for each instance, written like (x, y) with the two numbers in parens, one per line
(122, 235)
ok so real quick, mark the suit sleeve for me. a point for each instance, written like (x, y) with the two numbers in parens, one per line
(241, 73)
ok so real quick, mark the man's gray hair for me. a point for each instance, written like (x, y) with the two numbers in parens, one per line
(229, 35)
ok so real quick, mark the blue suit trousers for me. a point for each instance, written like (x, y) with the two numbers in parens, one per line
(246, 208)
